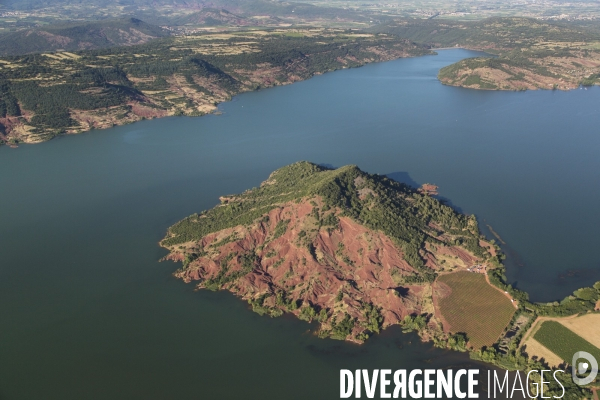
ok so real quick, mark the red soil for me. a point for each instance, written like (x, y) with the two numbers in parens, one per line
(314, 265)
(362, 270)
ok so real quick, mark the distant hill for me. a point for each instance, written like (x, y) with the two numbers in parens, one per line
(212, 17)
(82, 36)
(244, 8)
(218, 16)
(491, 33)
(285, 9)
(35, 4)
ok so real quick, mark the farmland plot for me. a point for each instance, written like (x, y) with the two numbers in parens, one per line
(562, 341)
(473, 306)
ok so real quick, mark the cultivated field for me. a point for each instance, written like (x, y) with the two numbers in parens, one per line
(562, 341)
(474, 307)
(587, 326)
(533, 348)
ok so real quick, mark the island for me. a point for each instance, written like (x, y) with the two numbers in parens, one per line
(357, 253)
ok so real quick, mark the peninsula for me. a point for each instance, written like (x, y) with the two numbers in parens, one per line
(524, 53)
(358, 253)
(48, 94)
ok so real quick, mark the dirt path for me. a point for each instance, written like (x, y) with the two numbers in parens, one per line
(533, 347)
(504, 292)
(534, 327)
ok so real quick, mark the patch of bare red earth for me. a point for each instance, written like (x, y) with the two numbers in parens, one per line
(365, 277)
(440, 291)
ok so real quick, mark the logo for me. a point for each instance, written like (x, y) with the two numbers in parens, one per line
(581, 368)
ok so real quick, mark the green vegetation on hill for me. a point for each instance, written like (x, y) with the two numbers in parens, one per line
(563, 342)
(51, 104)
(393, 208)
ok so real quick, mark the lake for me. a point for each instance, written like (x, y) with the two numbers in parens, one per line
(87, 311)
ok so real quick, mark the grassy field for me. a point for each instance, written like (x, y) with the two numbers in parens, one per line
(475, 308)
(562, 341)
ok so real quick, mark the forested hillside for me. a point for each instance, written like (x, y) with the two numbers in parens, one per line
(44, 95)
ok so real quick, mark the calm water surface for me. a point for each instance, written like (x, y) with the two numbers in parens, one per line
(86, 311)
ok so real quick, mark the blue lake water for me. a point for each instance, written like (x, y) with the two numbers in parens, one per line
(86, 310)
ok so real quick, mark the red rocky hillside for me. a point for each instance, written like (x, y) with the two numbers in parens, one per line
(354, 251)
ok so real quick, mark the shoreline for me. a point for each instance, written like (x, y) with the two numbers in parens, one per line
(138, 108)
(272, 281)
(452, 48)
(214, 108)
